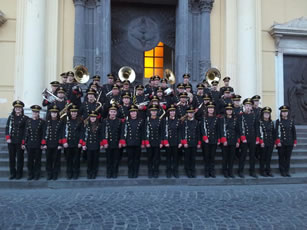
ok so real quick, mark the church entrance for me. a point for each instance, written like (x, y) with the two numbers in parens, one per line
(143, 37)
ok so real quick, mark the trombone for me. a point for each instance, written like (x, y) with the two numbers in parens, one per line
(49, 96)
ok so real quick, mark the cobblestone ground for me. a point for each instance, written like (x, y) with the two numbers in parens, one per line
(175, 207)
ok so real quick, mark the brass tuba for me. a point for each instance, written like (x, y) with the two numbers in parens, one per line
(170, 77)
(213, 74)
(81, 74)
(126, 73)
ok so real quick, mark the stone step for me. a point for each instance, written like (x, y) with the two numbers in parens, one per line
(102, 182)
(123, 171)
(4, 162)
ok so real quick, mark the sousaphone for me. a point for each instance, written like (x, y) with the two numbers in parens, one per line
(126, 73)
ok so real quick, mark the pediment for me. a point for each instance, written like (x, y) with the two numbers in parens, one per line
(295, 27)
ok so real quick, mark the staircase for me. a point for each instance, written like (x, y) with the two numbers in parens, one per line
(298, 163)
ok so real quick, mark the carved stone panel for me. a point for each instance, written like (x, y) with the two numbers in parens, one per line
(295, 87)
(137, 28)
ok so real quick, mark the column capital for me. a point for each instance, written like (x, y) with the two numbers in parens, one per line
(79, 2)
(198, 6)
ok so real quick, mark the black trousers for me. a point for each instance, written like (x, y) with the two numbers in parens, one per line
(113, 159)
(189, 159)
(265, 158)
(16, 156)
(284, 153)
(228, 158)
(153, 159)
(73, 160)
(34, 161)
(251, 150)
(134, 154)
(172, 159)
(53, 161)
(209, 152)
(92, 162)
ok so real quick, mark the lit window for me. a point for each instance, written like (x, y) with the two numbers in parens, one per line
(153, 61)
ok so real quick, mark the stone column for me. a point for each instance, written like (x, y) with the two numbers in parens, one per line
(106, 39)
(79, 50)
(34, 52)
(181, 49)
(247, 69)
(204, 59)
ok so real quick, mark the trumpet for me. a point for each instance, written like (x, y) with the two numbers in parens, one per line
(49, 96)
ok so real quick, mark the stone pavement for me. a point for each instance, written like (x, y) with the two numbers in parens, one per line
(156, 207)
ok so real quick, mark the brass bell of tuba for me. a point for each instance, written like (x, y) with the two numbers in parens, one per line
(170, 76)
(81, 74)
(126, 73)
(213, 74)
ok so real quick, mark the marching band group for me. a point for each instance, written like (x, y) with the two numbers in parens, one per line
(116, 116)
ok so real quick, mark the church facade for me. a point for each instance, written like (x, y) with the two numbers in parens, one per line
(260, 44)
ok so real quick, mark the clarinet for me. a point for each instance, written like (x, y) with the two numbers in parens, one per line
(186, 130)
(243, 127)
(225, 131)
(261, 130)
(125, 131)
(107, 130)
(166, 127)
(205, 127)
(10, 126)
(147, 128)
(47, 131)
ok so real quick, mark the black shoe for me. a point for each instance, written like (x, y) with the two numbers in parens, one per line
(270, 174)
(263, 174)
(150, 174)
(114, 175)
(37, 178)
(156, 175)
(89, 176)
(231, 175)
(55, 177)
(12, 177)
(49, 177)
(212, 175)
(176, 174)
(240, 175)
(226, 175)
(207, 175)
(76, 176)
(253, 175)
(283, 174)
(130, 174)
(168, 174)
(19, 176)
(30, 177)
(193, 175)
(287, 175)
(94, 175)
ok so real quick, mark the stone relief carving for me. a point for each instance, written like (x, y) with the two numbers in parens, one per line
(79, 61)
(197, 6)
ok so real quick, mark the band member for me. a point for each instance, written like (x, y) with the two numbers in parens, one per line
(14, 132)
(202, 109)
(267, 141)
(257, 111)
(153, 141)
(90, 105)
(52, 142)
(182, 105)
(72, 142)
(249, 138)
(96, 81)
(226, 81)
(186, 80)
(60, 93)
(113, 97)
(286, 140)
(224, 100)
(215, 94)
(54, 86)
(91, 142)
(161, 108)
(123, 111)
(63, 78)
(164, 84)
(237, 108)
(107, 88)
(155, 84)
(210, 132)
(33, 142)
(132, 134)
(149, 88)
(111, 133)
(206, 87)
(190, 141)
(141, 101)
(198, 97)
(126, 87)
(176, 97)
(172, 142)
(230, 139)
(69, 84)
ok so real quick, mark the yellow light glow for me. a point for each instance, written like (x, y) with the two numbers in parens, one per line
(154, 61)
